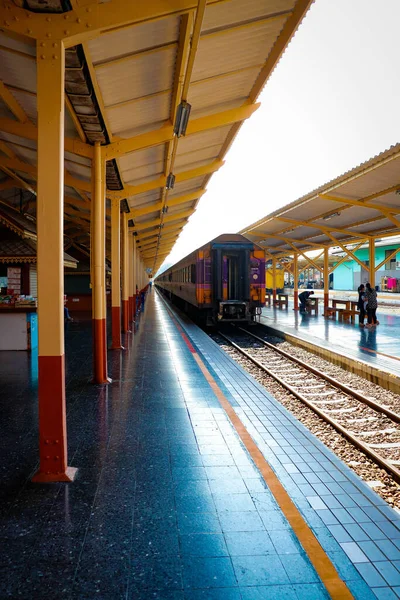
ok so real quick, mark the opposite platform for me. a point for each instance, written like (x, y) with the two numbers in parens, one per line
(377, 350)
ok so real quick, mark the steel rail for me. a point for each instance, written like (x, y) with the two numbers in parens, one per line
(347, 390)
(382, 462)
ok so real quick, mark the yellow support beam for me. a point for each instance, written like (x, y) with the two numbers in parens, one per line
(348, 252)
(364, 204)
(174, 227)
(166, 133)
(139, 212)
(346, 257)
(91, 19)
(387, 258)
(322, 228)
(153, 253)
(29, 131)
(157, 247)
(7, 150)
(160, 182)
(167, 219)
(19, 165)
(12, 104)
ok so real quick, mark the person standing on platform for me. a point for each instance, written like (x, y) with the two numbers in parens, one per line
(372, 305)
(361, 304)
(303, 297)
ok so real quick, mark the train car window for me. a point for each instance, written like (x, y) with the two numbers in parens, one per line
(193, 274)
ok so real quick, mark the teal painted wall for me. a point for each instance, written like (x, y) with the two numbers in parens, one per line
(349, 274)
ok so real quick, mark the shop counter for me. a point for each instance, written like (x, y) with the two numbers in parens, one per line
(18, 328)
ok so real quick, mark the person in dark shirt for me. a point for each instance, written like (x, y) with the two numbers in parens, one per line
(303, 297)
(372, 305)
(67, 316)
(361, 304)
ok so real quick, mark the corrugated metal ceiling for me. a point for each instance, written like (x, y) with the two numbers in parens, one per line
(129, 81)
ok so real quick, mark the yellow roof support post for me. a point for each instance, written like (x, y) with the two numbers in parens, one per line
(371, 253)
(131, 273)
(326, 279)
(12, 104)
(125, 274)
(50, 262)
(134, 276)
(273, 280)
(116, 275)
(296, 280)
(99, 267)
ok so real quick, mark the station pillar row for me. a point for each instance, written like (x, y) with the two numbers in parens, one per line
(50, 262)
(134, 277)
(125, 275)
(116, 275)
(131, 263)
(98, 229)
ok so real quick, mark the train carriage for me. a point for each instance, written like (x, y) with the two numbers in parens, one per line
(223, 280)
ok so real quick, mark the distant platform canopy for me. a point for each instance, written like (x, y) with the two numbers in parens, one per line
(360, 205)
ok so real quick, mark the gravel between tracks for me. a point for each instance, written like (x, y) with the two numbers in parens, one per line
(376, 477)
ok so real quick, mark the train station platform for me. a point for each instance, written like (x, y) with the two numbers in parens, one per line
(377, 350)
(193, 482)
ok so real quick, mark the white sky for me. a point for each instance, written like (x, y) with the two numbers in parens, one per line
(332, 102)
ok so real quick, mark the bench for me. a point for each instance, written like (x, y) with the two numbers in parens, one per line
(312, 305)
(282, 301)
(332, 311)
(349, 315)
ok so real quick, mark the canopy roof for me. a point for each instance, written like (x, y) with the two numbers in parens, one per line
(16, 250)
(360, 205)
(15, 225)
(127, 70)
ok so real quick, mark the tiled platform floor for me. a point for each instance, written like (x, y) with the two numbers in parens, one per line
(374, 346)
(167, 503)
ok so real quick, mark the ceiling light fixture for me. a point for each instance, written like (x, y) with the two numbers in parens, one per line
(170, 182)
(182, 118)
(327, 217)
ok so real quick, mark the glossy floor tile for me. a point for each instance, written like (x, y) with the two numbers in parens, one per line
(167, 503)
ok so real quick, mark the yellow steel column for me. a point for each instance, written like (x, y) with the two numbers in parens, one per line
(134, 277)
(326, 279)
(273, 281)
(125, 275)
(131, 292)
(50, 264)
(116, 275)
(372, 262)
(296, 280)
(99, 267)
(137, 263)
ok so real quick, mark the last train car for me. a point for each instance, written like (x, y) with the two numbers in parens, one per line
(221, 281)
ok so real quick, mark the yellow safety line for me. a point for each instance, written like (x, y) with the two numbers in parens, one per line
(322, 564)
(336, 587)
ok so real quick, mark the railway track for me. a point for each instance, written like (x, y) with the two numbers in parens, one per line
(369, 426)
